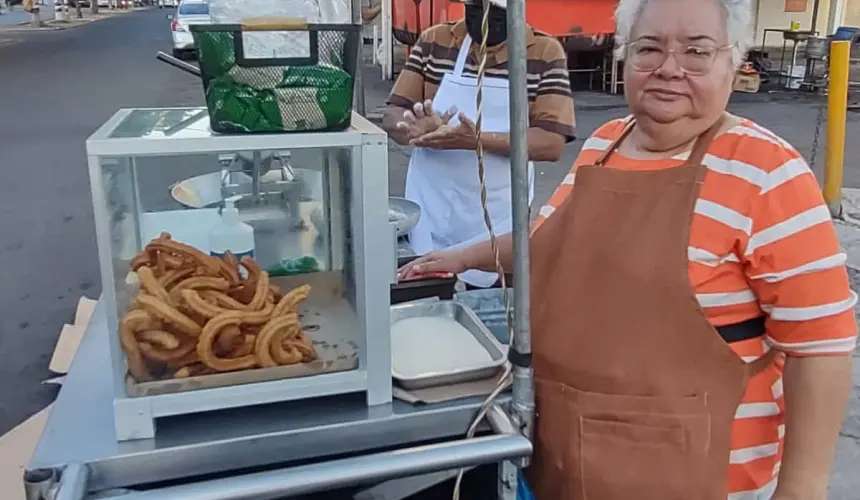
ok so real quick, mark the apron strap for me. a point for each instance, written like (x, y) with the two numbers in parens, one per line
(461, 56)
(703, 143)
(628, 127)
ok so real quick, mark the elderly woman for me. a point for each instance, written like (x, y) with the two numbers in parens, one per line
(691, 315)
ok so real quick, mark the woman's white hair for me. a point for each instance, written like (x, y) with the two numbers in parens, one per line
(738, 24)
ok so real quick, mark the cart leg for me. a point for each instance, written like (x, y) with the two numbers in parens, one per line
(507, 481)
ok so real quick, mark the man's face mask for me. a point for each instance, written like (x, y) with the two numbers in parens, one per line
(498, 32)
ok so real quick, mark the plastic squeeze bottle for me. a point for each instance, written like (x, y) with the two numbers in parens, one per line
(231, 234)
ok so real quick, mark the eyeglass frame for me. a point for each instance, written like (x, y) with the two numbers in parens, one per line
(672, 52)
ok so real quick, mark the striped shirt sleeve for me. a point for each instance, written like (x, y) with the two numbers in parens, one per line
(409, 87)
(794, 264)
(552, 109)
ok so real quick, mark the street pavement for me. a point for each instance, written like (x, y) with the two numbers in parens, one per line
(57, 87)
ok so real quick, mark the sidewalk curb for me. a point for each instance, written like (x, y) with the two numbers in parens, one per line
(57, 25)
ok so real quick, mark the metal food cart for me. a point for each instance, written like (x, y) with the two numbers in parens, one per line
(287, 448)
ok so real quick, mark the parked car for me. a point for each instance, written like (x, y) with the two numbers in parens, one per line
(189, 12)
(166, 3)
(58, 4)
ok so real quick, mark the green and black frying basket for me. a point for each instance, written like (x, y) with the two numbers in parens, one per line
(300, 80)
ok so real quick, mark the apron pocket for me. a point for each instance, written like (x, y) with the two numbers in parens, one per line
(641, 455)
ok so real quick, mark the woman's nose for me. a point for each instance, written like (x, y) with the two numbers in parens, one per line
(670, 69)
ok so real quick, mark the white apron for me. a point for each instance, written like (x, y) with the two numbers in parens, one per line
(445, 183)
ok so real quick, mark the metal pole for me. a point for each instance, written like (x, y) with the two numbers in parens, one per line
(523, 396)
(359, 62)
(837, 114)
(815, 5)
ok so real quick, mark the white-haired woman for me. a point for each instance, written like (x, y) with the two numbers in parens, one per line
(691, 314)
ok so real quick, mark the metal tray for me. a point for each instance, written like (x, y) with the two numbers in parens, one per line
(467, 318)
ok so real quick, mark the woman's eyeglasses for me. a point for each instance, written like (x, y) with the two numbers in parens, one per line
(646, 55)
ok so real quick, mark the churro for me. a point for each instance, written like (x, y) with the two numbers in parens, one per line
(161, 355)
(210, 333)
(261, 293)
(169, 314)
(149, 283)
(163, 244)
(128, 325)
(291, 300)
(198, 283)
(158, 338)
(276, 328)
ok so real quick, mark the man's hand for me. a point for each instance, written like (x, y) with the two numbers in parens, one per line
(435, 263)
(422, 120)
(462, 136)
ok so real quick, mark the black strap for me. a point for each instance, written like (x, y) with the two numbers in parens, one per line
(745, 330)
(519, 359)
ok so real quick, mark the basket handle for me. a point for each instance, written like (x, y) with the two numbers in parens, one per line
(294, 24)
(274, 24)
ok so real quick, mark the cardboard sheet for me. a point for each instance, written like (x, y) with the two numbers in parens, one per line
(67, 346)
(16, 449)
(449, 392)
(71, 336)
(84, 312)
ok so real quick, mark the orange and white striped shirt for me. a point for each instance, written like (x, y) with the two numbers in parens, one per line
(761, 241)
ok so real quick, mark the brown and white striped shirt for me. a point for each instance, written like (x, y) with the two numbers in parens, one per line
(435, 53)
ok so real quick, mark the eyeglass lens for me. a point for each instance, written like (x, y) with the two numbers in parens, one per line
(693, 59)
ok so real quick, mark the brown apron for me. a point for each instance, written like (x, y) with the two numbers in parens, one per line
(636, 392)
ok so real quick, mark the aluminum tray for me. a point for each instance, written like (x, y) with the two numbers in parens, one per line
(466, 317)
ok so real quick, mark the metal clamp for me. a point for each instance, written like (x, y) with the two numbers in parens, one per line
(43, 484)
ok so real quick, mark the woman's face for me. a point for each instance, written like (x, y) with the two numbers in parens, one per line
(695, 79)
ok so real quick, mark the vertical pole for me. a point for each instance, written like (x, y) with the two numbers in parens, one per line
(523, 396)
(816, 4)
(358, 101)
(837, 114)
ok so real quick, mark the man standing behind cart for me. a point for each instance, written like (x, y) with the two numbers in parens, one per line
(432, 107)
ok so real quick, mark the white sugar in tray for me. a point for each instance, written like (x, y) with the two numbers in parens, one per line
(441, 343)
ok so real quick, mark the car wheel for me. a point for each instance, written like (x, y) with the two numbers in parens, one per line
(179, 54)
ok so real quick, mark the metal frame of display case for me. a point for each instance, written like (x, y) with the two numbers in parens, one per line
(374, 267)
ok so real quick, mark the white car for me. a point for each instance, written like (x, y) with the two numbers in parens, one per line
(189, 12)
(166, 3)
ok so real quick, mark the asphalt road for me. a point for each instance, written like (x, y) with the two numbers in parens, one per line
(57, 87)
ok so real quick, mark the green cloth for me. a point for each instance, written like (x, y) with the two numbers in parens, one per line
(291, 267)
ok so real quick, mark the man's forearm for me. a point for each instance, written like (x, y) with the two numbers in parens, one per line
(480, 256)
(816, 392)
(543, 145)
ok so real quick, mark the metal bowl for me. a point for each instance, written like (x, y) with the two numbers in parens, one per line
(405, 214)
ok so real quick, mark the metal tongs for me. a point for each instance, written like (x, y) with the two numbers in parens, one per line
(178, 63)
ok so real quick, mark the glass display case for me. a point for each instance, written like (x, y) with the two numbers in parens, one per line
(282, 299)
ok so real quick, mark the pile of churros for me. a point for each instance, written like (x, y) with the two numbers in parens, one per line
(195, 314)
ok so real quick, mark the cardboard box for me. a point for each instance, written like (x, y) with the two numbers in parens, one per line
(747, 82)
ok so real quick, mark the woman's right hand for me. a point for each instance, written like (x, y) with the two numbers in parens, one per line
(447, 262)
(421, 119)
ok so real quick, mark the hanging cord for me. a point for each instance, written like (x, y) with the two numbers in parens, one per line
(502, 383)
